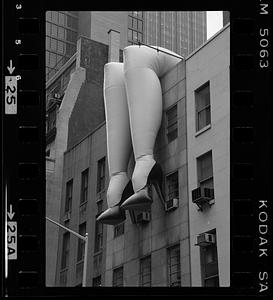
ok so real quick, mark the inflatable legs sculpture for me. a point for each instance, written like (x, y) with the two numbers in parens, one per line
(141, 71)
(119, 144)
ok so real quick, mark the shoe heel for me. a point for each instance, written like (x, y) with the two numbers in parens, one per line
(141, 200)
(115, 215)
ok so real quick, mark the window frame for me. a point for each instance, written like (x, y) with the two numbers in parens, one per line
(202, 182)
(98, 238)
(172, 134)
(169, 265)
(84, 186)
(119, 229)
(68, 196)
(115, 279)
(142, 274)
(101, 165)
(96, 278)
(81, 243)
(169, 194)
(204, 265)
(207, 107)
(65, 251)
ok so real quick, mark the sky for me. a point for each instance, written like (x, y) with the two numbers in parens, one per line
(214, 22)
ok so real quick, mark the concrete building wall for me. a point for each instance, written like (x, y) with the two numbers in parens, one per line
(182, 225)
(77, 159)
(96, 24)
(54, 177)
(164, 229)
(81, 111)
(88, 112)
(211, 62)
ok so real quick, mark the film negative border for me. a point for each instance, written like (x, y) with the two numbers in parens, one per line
(24, 149)
(249, 181)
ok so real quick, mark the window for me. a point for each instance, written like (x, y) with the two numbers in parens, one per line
(63, 278)
(172, 123)
(51, 121)
(172, 186)
(98, 236)
(209, 264)
(84, 186)
(118, 277)
(118, 229)
(145, 271)
(65, 250)
(81, 243)
(205, 170)
(99, 207)
(68, 196)
(101, 175)
(174, 266)
(97, 281)
(202, 104)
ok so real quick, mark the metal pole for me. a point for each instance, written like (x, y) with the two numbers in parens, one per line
(85, 260)
(73, 232)
(85, 238)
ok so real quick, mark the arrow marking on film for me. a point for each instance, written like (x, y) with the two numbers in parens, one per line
(10, 67)
(10, 213)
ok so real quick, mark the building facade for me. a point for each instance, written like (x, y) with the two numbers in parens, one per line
(81, 94)
(181, 32)
(74, 84)
(208, 135)
(184, 240)
(178, 31)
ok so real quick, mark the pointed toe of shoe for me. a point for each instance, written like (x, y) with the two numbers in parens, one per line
(112, 216)
(140, 201)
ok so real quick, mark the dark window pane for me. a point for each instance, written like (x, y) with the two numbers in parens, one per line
(118, 229)
(98, 236)
(174, 266)
(81, 243)
(118, 277)
(84, 186)
(172, 186)
(65, 251)
(101, 175)
(97, 281)
(68, 200)
(202, 103)
(145, 271)
(205, 169)
(171, 116)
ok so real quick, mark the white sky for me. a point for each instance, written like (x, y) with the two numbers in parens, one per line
(214, 22)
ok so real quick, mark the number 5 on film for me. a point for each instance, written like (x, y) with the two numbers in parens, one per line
(12, 240)
(10, 95)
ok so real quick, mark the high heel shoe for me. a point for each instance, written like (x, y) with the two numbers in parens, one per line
(114, 215)
(142, 199)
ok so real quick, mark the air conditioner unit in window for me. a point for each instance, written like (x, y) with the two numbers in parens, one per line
(171, 204)
(143, 217)
(205, 239)
(202, 196)
(67, 216)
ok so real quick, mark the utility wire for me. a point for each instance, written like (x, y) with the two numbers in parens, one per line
(159, 50)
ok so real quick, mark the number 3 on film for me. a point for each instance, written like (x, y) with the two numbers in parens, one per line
(10, 95)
